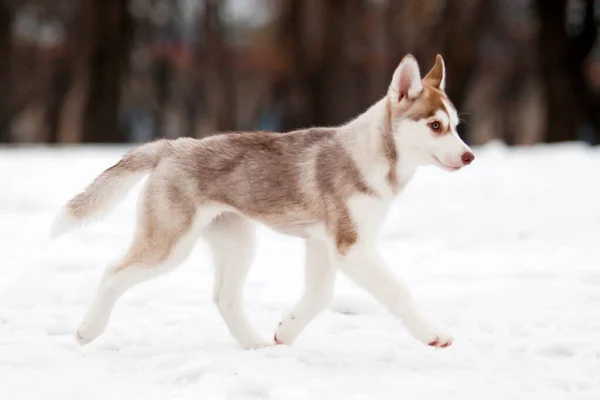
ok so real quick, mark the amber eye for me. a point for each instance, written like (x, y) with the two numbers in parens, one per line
(435, 126)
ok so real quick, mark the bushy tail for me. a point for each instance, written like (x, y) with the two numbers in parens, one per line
(110, 187)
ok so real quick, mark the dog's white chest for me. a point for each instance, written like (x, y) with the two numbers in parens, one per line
(368, 214)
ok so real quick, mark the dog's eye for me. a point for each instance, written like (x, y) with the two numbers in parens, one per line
(435, 126)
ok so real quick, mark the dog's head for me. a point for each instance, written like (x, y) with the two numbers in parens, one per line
(424, 119)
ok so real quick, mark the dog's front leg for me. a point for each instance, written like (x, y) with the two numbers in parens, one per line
(318, 291)
(364, 265)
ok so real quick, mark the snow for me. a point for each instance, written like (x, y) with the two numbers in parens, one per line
(505, 253)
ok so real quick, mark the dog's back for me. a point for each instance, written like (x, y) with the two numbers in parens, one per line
(276, 178)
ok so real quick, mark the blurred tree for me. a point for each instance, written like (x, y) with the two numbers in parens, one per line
(561, 103)
(523, 70)
(458, 31)
(582, 40)
(75, 92)
(219, 68)
(290, 93)
(6, 19)
(564, 45)
(336, 97)
(111, 33)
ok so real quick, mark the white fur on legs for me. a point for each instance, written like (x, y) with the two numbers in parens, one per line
(120, 277)
(114, 283)
(142, 262)
(232, 240)
(318, 291)
(365, 266)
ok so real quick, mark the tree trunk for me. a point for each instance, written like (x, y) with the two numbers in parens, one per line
(578, 49)
(112, 31)
(460, 37)
(56, 96)
(331, 101)
(290, 92)
(6, 17)
(72, 111)
(561, 112)
(221, 68)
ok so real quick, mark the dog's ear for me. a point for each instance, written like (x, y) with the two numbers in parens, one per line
(437, 76)
(406, 81)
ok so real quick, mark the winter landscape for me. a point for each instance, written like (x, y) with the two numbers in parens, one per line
(505, 253)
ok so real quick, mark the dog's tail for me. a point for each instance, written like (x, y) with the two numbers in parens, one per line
(110, 187)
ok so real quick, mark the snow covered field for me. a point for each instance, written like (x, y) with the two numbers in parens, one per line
(505, 253)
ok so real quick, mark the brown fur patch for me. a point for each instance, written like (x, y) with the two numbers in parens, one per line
(389, 147)
(345, 234)
(435, 76)
(165, 220)
(426, 105)
(342, 175)
(264, 175)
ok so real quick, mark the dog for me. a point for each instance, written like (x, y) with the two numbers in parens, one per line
(331, 186)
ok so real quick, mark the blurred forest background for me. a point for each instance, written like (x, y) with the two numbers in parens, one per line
(103, 71)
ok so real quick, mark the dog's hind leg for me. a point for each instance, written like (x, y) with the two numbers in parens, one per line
(318, 291)
(231, 238)
(166, 234)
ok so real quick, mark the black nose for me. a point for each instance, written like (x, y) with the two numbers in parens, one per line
(467, 157)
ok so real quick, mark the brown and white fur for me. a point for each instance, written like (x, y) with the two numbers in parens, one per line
(331, 186)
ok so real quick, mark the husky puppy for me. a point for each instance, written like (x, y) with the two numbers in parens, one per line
(332, 186)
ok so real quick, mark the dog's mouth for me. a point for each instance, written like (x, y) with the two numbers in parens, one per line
(445, 166)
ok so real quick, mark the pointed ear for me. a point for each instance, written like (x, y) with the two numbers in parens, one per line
(406, 82)
(437, 76)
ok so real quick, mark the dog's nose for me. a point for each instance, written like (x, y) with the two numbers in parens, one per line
(467, 157)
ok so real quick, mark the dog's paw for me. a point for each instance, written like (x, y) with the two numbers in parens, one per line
(258, 344)
(83, 337)
(254, 341)
(432, 336)
(286, 332)
(276, 340)
(90, 330)
(441, 341)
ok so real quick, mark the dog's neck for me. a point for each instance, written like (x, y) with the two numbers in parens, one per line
(365, 138)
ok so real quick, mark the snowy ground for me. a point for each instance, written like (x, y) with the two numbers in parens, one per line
(505, 253)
